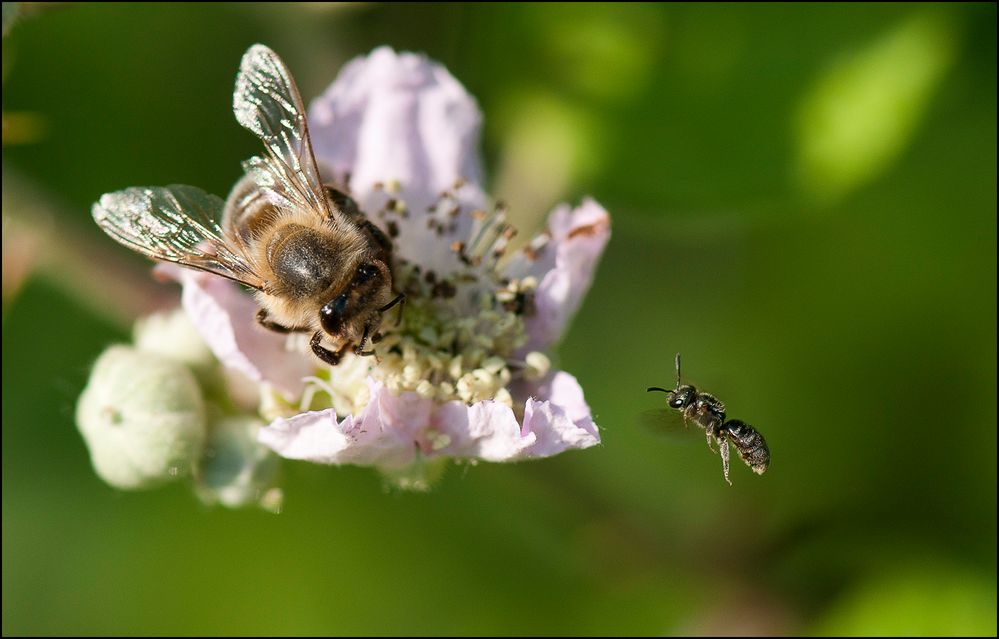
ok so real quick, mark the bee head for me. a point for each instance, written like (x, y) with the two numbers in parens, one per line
(678, 398)
(682, 397)
(362, 294)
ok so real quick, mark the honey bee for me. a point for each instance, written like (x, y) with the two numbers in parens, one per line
(708, 412)
(315, 263)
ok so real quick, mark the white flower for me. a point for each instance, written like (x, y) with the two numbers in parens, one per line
(463, 374)
(461, 371)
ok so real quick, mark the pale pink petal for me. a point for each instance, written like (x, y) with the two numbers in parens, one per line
(387, 431)
(563, 421)
(406, 413)
(366, 439)
(397, 117)
(314, 436)
(318, 437)
(225, 318)
(562, 389)
(496, 433)
(564, 268)
(394, 427)
(485, 430)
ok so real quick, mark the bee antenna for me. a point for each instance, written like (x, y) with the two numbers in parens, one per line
(656, 388)
(678, 370)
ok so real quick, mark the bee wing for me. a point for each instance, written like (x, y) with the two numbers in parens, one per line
(177, 224)
(266, 101)
(664, 421)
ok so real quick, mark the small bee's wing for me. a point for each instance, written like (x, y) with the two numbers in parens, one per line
(266, 101)
(667, 422)
(177, 224)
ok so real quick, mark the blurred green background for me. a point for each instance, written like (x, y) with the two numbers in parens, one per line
(804, 205)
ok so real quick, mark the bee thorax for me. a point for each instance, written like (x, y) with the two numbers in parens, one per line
(304, 260)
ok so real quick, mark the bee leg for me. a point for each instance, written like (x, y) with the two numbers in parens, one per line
(723, 447)
(709, 436)
(274, 326)
(359, 349)
(330, 357)
(402, 305)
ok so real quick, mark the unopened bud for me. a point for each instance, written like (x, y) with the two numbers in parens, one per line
(235, 469)
(142, 417)
(173, 335)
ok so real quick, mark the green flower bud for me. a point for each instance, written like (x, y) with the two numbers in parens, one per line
(172, 334)
(142, 417)
(235, 470)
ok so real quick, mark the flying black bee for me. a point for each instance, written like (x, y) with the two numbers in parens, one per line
(316, 264)
(708, 412)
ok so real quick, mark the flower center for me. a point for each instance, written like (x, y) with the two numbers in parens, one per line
(459, 333)
(456, 340)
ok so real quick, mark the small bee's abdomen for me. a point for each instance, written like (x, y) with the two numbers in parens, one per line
(751, 446)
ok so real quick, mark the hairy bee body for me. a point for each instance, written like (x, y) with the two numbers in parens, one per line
(308, 261)
(314, 261)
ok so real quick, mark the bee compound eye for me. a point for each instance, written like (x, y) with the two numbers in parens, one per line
(331, 314)
(365, 272)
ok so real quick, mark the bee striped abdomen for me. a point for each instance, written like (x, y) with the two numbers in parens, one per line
(749, 442)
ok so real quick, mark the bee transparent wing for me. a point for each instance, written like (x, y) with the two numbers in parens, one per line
(178, 224)
(669, 423)
(266, 101)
